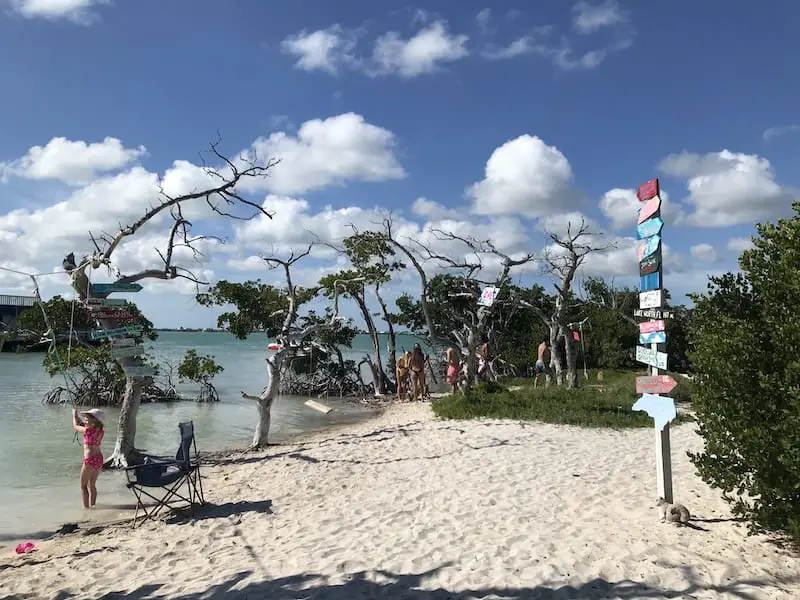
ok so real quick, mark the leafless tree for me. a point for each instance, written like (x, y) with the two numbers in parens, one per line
(470, 270)
(223, 199)
(290, 341)
(562, 261)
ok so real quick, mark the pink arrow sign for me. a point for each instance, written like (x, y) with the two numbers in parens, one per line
(649, 208)
(655, 384)
(647, 190)
(651, 326)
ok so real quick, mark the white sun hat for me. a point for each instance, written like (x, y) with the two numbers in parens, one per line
(95, 412)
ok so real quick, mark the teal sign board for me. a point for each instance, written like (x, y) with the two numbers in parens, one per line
(650, 282)
(649, 228)
(108, 288)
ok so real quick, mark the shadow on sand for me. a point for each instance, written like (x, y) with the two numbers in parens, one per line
(382, 584)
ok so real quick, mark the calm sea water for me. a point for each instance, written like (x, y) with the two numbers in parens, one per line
(40, 459)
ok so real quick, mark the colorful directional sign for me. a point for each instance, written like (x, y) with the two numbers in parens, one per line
(128, 351)
(661, 408)
(650, 282)
(653, 313)
(648, 246)
(647, 190)
(648, 209)
(652, 358)
(655, 384)
(108, 288)
(654, 337)
(111, 313)
(651, 326)
(117, 332)
(650, 227)
(97, 302)
(651, 299)
(651, 264)
(139, 371)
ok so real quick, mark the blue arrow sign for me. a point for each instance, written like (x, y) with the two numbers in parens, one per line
(139, 371)
(648, 247)
(649, 228)
(654, 337)
(108, 288)
(650, 282)
(661, 408)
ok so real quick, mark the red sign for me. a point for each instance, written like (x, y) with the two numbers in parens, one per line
(647, 190)
(655, 384)
(649, 208)
(576, 336)
(651, 326)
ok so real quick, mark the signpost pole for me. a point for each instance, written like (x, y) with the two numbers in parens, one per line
(650, 225)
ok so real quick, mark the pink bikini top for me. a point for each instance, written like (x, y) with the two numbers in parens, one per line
(92, 436)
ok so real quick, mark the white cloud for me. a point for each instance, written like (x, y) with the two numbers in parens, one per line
(588, 17)
(77, 11)
(423, 53)
(560, 54)
(484, 19)
(524, 176)
(704, 253)
(327, 50)
(621, 207)
(334, 49)
(327, 152)
(73, 162)
(728, 188)
(433, 210)
(774, 132)
(739, 245)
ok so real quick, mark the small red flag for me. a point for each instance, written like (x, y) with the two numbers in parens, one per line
(649, 189)
(576, 336)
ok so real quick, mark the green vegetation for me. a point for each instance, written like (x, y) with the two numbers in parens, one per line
(200, 369)
(745, 333)
(606, 404)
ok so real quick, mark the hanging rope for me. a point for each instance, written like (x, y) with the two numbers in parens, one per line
(52, 333)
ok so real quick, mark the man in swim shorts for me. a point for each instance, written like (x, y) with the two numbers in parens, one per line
(542, 358)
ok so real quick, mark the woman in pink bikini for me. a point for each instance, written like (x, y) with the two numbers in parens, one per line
(90, 424)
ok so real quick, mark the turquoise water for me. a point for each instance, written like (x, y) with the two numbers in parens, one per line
(40, 459)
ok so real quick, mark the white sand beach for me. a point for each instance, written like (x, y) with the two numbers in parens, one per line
(406, 506)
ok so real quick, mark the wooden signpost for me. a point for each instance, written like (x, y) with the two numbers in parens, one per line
(649, 246)
(651, 299)
(649, 208)
(95, 303)
(120, 351)
(653, 332)
(652, 325)
(652, 313)
(655, 384)
(651, 282)
(139, 370)
(117, 332)
(650, 227)
(110, 288)
(114, 316)
(654, 337)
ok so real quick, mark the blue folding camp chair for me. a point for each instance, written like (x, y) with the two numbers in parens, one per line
(170, 476)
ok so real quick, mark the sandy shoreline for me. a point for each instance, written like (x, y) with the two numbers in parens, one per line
(405, 506)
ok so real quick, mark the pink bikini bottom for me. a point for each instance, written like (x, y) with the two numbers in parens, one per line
(94, 461)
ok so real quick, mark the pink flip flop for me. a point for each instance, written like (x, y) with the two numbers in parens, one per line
(25, 548)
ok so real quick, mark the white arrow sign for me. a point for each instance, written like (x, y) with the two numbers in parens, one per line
(651, 357)
(661, 408)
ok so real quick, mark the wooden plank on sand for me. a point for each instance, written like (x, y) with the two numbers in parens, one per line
(317, 406)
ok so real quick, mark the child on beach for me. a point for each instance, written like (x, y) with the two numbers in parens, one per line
(90, 424)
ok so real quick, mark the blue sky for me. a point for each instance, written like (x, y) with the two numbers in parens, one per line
(374, 105)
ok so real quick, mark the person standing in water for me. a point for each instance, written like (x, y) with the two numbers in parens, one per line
(90, 424)
(417, 365)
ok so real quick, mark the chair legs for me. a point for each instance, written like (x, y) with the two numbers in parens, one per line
(173, 496)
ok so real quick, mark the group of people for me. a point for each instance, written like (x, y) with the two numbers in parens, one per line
(410, 374)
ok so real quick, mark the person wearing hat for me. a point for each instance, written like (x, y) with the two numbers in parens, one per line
(90, 424)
